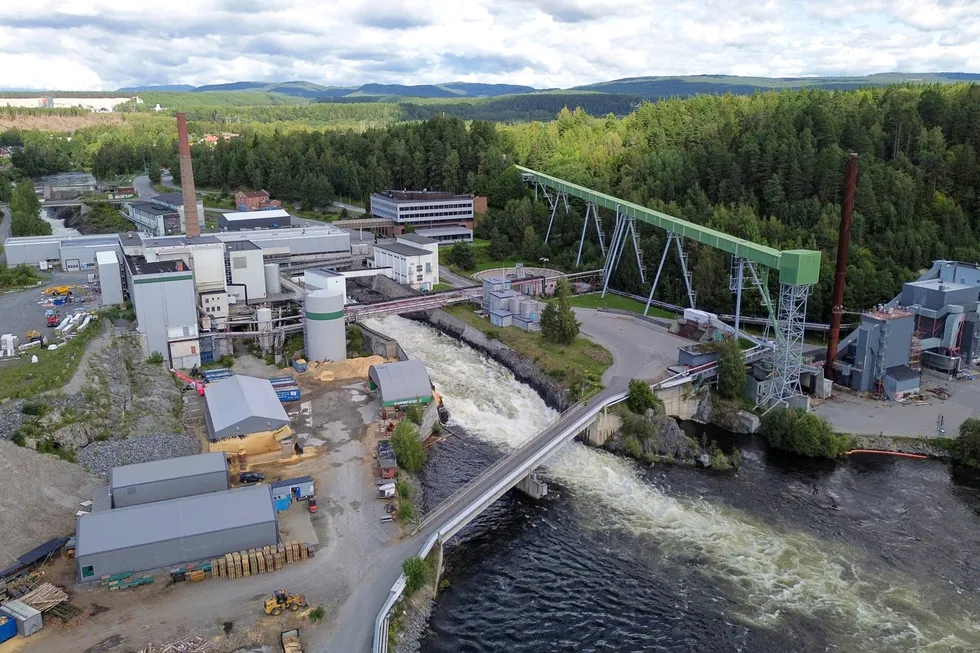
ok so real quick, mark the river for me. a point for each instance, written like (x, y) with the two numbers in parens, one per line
(870, 554)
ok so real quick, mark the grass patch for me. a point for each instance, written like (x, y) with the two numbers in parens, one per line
(439, 287)
(53, 370)
(619, 303)
(578, 366)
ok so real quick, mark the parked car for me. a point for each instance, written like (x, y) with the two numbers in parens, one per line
(251, 477)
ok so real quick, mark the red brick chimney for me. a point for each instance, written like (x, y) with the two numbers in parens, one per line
(191, 226)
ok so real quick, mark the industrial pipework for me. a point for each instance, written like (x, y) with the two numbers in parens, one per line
(843, 242)
(191, 226)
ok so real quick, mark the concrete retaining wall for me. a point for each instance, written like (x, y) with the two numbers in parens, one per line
(429, 419)
(379, 344)
(525, 371)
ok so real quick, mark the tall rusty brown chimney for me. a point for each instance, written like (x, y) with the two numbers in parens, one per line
(191, 225)
(843, 242)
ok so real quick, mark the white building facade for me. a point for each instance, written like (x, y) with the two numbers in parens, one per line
(410, 265)
(423, 207)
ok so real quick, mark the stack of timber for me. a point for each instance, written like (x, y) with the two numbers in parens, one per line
(188, 645)
(242, 564)
(44, 597)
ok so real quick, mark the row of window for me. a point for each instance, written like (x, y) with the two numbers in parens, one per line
(444, 214)
(429, 207)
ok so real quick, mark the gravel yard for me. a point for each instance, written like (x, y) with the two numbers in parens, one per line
(40, 500)
(99, 457)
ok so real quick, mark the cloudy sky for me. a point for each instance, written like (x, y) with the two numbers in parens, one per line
(106, 44)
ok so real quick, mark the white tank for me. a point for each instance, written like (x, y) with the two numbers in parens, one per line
(326, 334)
(272, 284)
(514, 305)
(264, 317)
(527, 307)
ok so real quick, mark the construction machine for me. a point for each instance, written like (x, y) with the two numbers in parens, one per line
(57, 290)
(35, 336)
(282, 601)
(52, 317)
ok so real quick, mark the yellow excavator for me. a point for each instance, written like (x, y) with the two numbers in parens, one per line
(282, 601)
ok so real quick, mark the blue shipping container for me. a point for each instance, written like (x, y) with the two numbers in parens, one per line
(280, 504)
(288, 394)
(8, 628)
(280, 381)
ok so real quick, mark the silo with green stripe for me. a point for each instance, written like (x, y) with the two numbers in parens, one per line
(326, 336)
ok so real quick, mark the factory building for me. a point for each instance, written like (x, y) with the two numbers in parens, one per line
(163, 533)
(245, 270)
(424, 208)
(931, 327)
(79, 253)
(175, 202)
(447, 235)
(110, 278)
(324, 279)
(507, 307)
(325, 333)
(171, 478)
(166, 309)
(242, 405)
(154, 219)
(297, 245)
(415, 264)
(245, 220)
(401, 383)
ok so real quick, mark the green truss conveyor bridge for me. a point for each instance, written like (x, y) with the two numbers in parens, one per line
(798, 269)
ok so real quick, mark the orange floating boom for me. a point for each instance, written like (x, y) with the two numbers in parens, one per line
(917, 456)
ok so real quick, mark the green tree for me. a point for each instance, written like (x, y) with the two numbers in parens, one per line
(415, 571)
(355, 341)
(803, 433)
(558, 323)
(25, 209)
(966, 449)
(499, 247)
(408, 447)
(731, 369)
(153, 171)
(530, 245)
(462, 256)
(414, 414)
(641, 397)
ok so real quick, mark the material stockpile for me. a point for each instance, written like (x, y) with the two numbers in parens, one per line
(100, 457)
(185, 645)
(242, 564)
(355, 368)
(124, 580)
(44, 597)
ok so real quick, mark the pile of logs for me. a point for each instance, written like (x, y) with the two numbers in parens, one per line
(44, 597)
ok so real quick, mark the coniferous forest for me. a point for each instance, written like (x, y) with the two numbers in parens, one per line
(766, 167)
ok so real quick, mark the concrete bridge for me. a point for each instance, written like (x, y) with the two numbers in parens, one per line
(516, 469)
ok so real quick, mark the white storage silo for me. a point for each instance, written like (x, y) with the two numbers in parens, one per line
(264, 317)
(514, 305)
(326, 334)
(272, 284)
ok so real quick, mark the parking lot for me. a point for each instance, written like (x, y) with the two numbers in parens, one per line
(21, 311)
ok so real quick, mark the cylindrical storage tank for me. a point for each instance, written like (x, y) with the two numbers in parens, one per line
(272, 284)
(527, 307)
(264, 317)
(514, 305)
(326, 335)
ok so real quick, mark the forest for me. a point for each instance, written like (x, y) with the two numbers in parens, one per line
(766, 167)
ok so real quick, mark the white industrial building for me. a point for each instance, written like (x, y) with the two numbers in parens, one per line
(110, 278)
(430, 208)
(244, 220)
(323, 279)
(246, 270)
(166, 309)
(175, 202)
(154, 219)
(414, 260)
(447, 235)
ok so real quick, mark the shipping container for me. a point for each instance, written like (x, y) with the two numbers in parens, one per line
(8, 628)
(288, 394)
(28, 619)
(280, 381)
(299, 365)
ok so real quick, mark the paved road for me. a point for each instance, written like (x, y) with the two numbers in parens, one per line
(350, 208)
(640, 349)
(143, 187)
(448, 276)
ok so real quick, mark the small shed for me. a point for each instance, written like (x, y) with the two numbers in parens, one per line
(293, 488)
(241, 405)
(170, 478)
(28, 619)
(696, 355)
(901, 381)
(401, 383)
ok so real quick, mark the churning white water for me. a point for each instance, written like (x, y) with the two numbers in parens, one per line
(770, 572)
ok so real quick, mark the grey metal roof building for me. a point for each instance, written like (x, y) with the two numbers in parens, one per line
(401, 248)
(404, 382)
(171, 478)
(240, 405)
(164, 533)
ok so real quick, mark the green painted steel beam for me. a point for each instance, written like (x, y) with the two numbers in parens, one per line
(796, 267)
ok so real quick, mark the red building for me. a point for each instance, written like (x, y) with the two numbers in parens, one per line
(255, 200)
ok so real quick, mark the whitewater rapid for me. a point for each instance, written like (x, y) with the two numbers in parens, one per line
(768, 573)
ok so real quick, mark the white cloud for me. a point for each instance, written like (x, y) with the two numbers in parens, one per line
(89, 44)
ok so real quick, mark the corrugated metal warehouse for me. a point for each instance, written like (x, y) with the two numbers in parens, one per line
(240, 405)
(172, 478)
(78, 253)
(404, 382)
(268, 219)
(163, 533)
